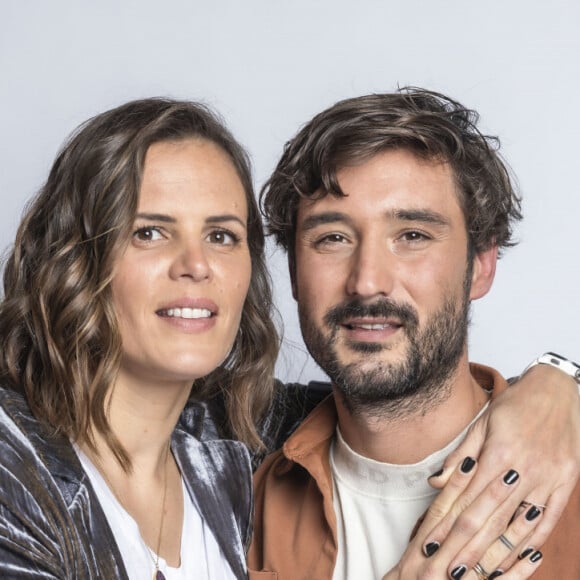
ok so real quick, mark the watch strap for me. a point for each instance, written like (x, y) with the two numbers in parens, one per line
(558, 361)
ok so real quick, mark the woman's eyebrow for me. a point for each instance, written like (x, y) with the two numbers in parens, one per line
(156, 217)
(215, 219)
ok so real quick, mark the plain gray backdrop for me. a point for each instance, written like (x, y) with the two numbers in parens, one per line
(268, 66)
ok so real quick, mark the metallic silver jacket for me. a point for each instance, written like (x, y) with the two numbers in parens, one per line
(51, 523)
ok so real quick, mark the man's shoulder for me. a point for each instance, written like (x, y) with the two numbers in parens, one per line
(305, 453)
(293, 485)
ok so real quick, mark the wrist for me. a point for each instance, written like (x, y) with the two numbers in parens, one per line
(558, 362)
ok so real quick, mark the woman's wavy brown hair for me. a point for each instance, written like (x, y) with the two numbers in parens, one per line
(61, 345)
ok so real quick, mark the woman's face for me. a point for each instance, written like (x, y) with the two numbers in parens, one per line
(179, 286)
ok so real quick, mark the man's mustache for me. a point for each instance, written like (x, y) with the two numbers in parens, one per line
(382, 308)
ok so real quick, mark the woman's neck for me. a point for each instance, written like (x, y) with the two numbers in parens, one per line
(143, 416)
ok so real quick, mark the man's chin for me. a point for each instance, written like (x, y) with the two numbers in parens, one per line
(370, 355)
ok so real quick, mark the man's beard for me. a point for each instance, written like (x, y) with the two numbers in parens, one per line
(414, 385)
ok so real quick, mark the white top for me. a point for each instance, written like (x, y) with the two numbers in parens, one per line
(201, 556)
(377, 506)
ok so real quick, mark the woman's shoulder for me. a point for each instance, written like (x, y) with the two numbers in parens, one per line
(32, 455)
(18, 427)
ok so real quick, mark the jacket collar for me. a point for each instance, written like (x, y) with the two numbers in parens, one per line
(211, 473)
(310, 443)
(211, 470)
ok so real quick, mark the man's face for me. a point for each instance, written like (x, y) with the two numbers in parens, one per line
(383, 280)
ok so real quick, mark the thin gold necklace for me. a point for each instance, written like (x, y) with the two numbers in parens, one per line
(157, 573)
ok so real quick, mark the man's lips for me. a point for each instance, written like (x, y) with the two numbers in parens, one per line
(372, 324)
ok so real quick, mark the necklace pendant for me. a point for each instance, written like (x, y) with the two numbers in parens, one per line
(158, 575)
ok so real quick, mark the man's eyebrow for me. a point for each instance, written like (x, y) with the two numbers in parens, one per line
(320, 219)
(411, 215)
(421, 215)
(214, 219)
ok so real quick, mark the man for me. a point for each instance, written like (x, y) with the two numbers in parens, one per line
(393, 209)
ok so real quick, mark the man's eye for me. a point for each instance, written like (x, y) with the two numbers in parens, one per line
(147, 234)
(329, 239)
(415, 237)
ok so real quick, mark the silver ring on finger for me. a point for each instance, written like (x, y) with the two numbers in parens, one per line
(505, 541)
(527, 504)
(480, 571)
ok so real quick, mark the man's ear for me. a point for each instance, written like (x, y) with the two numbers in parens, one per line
(484, 264)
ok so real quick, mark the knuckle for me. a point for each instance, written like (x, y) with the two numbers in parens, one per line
(496, 524)
(498, 491)
(430, 572)
(437, 512)
(569, 469)
(467, 525)
(462, 503)
(504, 456)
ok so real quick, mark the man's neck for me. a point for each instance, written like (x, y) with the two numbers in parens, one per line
(398, 438)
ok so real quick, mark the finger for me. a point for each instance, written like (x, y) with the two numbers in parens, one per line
(522, 568)
(444, 503)
(414, 563)
(484, 517)
(503, 552)
(554, 507)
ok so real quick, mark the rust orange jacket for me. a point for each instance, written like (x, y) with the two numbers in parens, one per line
(295, 525)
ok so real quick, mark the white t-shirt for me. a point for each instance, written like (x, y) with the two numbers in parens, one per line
(201, 556)
(377, 506)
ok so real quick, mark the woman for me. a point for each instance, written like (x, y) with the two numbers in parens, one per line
(130, 275)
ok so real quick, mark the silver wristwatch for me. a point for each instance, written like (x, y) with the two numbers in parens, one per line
(559, 362)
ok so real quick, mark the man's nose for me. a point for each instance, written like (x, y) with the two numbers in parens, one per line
(372, 270)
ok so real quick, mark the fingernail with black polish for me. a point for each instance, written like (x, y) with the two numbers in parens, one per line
(495, 574)
(533, 513)
(536, 556)
(458, 571)
(511, 477)
(525, 553)
(436, 474)
(467, 466)
(430, 548)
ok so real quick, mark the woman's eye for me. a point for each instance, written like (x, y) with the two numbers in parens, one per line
(223, 237)
(147, 234)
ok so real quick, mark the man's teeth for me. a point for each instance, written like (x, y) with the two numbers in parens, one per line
(188, 313)
(369, 326)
